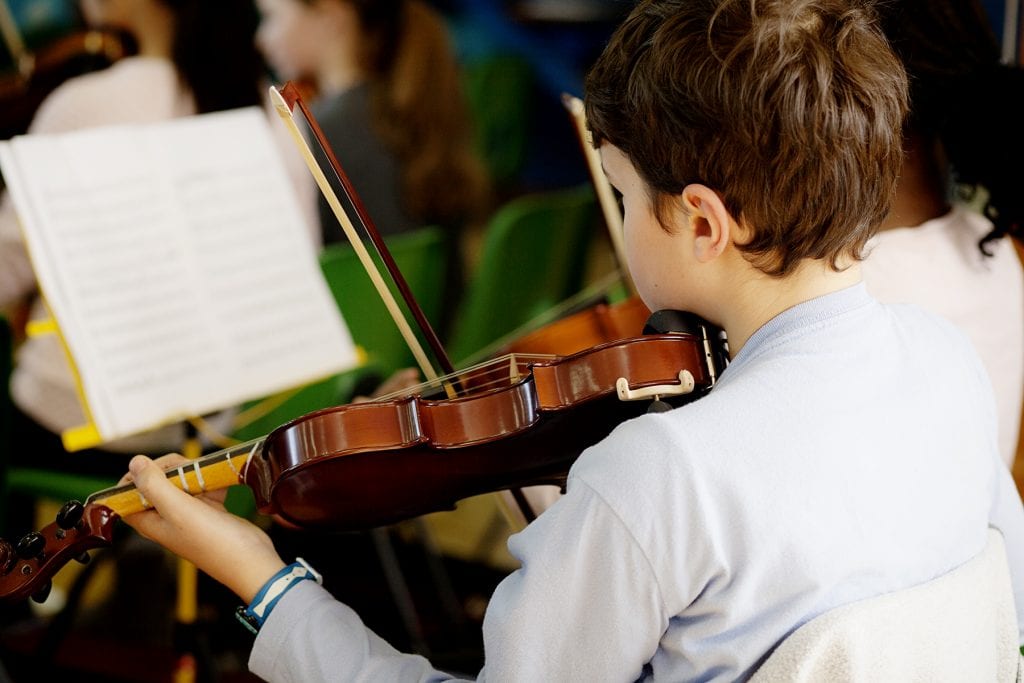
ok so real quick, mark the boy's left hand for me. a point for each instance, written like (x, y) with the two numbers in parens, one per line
(230, 549)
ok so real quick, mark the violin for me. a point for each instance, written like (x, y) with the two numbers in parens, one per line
(514, 421)
(519, 421)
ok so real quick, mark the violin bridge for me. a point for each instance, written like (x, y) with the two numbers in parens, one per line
(513, 368)
(685, 386)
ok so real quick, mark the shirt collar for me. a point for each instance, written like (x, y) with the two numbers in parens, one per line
(795, 319)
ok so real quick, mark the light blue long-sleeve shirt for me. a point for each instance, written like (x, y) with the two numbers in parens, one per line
(849, 450)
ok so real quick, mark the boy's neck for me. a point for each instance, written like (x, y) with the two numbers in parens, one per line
(757, 298)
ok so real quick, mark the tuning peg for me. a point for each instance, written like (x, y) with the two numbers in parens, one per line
(43, 592)
(70, 515)
(31, 545)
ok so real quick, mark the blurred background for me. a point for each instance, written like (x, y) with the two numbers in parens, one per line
(424, 584)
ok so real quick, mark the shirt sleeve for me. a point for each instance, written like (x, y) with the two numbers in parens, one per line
(312, 637)
(584, 605)
(570, 612)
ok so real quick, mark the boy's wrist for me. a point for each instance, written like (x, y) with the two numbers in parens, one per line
(253, 615)
(255, 576)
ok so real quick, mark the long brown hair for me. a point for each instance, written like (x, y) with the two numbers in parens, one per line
(420, 111)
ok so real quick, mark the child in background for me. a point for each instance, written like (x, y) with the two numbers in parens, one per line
(934, 249)
(387, 93)
(756, 144)
(389, 99)
(192, 57)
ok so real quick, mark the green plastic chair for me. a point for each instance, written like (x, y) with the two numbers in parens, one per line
(422, 257)
(533, 256)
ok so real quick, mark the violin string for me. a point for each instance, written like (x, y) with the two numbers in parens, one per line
(476, 388)
(252, 446)
(520, 361)
(523, 361)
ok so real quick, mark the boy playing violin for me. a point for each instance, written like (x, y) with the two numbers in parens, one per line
(848, 450)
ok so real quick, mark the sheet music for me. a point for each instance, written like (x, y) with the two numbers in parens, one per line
(177, 264)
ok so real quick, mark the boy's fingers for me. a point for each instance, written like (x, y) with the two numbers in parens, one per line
(165, 462)
(152, 482)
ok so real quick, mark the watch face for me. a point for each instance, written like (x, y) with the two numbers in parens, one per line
(250, 622)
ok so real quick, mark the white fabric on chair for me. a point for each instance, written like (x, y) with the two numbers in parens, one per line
(961, 626)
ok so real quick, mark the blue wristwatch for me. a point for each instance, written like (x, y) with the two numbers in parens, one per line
(256, 612)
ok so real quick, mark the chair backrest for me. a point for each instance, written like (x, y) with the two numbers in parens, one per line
(533, 256)
(961, 626)
(422, 257)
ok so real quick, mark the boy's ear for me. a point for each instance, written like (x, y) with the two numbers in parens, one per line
(708, 220)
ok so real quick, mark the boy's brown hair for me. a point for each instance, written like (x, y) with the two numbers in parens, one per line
(790, 109)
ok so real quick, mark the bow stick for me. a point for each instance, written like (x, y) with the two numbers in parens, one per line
(284, 102)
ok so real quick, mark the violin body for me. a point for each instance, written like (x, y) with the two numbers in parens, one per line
(521, 423)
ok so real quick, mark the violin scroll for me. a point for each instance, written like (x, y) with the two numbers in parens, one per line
(27, 567)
